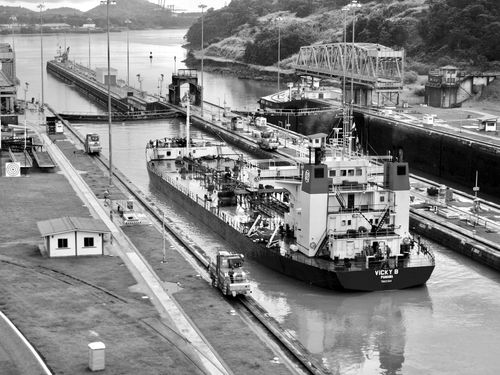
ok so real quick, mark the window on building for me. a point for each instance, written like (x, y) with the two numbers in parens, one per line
(62, 243)
(88, 241)
(350, 172)
(382, 198)
(349, 222)
(343, 172)
(343, 223)
(332, 173)
(359, 172)
(168, 153)
(401, 170)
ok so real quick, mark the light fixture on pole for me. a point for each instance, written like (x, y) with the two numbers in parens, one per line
(278, 21)
(26, 84)
(140, 79)
(12, 20)
(89, 20)
(353, 5)
(164, 258)
(41, 6)
(202, 6)
(160, 84)
(128, 22)
(107, 3)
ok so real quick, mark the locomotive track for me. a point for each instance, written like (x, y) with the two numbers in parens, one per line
(289, 351)
(300, 361)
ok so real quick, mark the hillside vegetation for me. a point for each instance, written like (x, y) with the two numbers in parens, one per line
(142, 14)
(432, 32)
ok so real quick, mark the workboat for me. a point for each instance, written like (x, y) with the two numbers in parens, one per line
(306, 108)
(337, 219)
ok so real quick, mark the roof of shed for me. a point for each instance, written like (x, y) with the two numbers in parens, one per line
(71, 224)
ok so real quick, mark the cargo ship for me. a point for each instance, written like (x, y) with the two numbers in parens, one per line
(336, 219)
(306, 108)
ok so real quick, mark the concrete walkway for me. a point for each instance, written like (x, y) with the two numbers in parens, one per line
(136, 264)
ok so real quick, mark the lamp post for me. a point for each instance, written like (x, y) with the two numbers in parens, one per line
(353, 5)
(202, 6)
(26, 84)
(160, 84)
(41, 6)
(12, 20)
(140, 79)
(278, 21)
(89, 20)
(128, 22)
(107, 3)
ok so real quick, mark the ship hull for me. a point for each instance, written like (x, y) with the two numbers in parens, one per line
(303, 116)
(366, 280)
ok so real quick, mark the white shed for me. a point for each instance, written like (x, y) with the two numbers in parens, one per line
(73, 236)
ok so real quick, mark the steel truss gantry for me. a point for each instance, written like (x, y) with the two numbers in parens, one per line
(371, 67)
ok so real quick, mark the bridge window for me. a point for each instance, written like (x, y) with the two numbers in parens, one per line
(350, 172)
(332, 173)
(319, 173)
(359, 172)
(348, 222)
(401, 171)
(343, 172)
(168, 153)
(382, 198)
(343, 223)
(62, 243)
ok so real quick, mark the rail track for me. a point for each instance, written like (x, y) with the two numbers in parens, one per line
(295, 356)
(299, 361)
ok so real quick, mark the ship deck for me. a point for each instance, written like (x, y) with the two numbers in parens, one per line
(242, 216)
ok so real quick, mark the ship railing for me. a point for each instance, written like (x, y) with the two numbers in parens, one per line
(351, 187)
(233, 221)
(365, 233)
(298, 112)
(349, 265)
(362, 208)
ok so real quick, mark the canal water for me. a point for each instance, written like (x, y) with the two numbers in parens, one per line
(450, 326)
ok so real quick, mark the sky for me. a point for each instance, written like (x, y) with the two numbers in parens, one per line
(84, 5)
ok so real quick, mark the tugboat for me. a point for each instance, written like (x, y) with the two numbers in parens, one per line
(336, 220)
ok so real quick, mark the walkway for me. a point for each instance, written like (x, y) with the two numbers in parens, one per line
(137, 266)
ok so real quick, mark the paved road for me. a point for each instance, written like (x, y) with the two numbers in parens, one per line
(16, 355)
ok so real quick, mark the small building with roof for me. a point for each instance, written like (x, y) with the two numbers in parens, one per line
(442, 87)
(73, 236)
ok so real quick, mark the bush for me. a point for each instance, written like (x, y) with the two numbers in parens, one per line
(419, 67)
(410, 77)
(419, 92)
